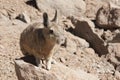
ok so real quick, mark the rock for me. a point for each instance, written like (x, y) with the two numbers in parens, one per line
(77, 43)
(23, 17)
(117, 75)
(62, 60)
(114, 4)
(108, 17)
(111, 36)
(26, 71)
(85, 30)
(92, 7)
(115, 48)
(89, 51)
(65, 7)
(112, 1)
(99, 31)
(113, 60)
(108, 35)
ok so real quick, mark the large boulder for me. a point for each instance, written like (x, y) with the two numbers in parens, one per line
(108, 16)
(26, 71)
(65, 7)
(92, 6)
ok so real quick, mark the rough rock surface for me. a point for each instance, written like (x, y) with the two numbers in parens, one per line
(108, 17)
(117, 75)
(77, 43)
(72, 8)
(58, 72)
(92, 7)
(115, 49)
(114, 53)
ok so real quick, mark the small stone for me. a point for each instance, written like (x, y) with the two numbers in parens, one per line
(53, 61)
(108, 17)
(62, 60)
(114, 48)
(108, 35)
(14, 22)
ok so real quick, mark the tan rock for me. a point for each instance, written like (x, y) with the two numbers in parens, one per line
(89, 51)
(65, 7)
(108, 35)
(114, 53)
(108, 17)
(117, 75)
(73, 43)
(62, 60)
(92, 7)
(115, 49)
(27, 71)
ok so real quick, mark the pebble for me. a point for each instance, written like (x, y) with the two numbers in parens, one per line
(62, 60)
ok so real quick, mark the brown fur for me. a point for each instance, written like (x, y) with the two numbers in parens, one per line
(41, 40)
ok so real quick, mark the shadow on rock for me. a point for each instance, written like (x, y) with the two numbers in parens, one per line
(29, 59)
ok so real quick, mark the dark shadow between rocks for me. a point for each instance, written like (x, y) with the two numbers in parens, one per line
(32, 3)
(71, 30)
(83, 30)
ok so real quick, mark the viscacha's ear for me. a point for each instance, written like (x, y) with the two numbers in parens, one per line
(55, 17)
(45, 19)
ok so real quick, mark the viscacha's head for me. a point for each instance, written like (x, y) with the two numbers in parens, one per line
(52, 30)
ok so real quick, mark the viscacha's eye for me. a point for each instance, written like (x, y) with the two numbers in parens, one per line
(51, 31)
